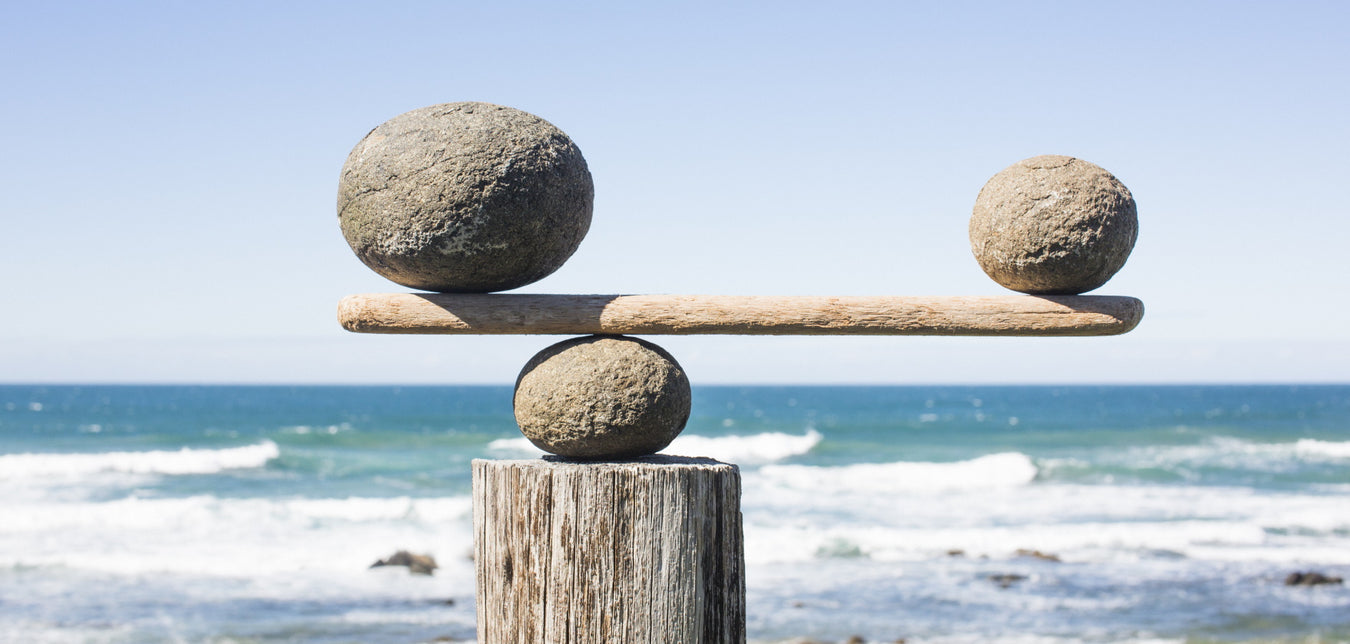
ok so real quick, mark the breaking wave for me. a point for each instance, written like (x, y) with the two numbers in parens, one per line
(1008, 469)
(183, 461)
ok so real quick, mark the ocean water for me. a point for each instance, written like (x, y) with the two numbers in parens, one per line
(252, 514)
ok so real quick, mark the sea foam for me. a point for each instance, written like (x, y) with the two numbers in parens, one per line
(1325, 449)
(750, 450)
(1008, 469)
(183, 461)
(232, 537)
(1234, 454)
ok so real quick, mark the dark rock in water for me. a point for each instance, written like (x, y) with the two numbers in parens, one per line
(956, 552)
(417, 564)
(1311, 578)
(1037, 554)
(856, 639)
(1007, 579)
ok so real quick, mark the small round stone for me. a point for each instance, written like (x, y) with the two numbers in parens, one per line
(602, 397)
(465, 198)
(1053, 225)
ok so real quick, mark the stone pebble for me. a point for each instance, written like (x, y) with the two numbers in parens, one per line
(602, 397)
(465, 198)
(1053, 225)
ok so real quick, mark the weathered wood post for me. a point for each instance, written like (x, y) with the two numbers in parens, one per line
(643, 550)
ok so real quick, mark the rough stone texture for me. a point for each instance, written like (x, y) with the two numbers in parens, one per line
(465, 198)
(1053, 225)
(602, 397)
(1311, 578)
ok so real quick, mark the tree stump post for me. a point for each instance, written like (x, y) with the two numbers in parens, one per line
(641, 550)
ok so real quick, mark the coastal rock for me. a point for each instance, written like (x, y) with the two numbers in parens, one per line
(417, 564)
(602, 397)
(1053, 225)
(1006, 580)
(1037, 554)
(1311, 578)
(465, 198)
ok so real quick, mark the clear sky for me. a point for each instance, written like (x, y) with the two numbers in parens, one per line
(170, 171)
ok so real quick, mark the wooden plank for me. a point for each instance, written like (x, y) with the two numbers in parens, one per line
(507, 314)
(647, 550)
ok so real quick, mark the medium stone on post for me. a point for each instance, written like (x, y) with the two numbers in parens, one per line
(1053, 225)
(602, 397)
(465, 198)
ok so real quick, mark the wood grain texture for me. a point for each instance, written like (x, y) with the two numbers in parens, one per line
(506, 313)
(647, 550)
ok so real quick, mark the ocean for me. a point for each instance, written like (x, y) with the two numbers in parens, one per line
(933, 514)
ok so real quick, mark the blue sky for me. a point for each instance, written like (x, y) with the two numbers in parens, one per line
(170, 173)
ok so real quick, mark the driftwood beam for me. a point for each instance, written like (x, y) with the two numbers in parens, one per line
(519, 314)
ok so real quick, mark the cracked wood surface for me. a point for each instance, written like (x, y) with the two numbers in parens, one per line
(643, 550)
(522, 314)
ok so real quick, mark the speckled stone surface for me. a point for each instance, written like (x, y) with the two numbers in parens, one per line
(602, 397)
(465, 198)
(1053, 225)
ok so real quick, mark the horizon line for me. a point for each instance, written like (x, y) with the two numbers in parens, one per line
(1198, 383)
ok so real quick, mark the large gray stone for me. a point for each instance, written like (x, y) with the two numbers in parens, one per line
(1053, 225)
(602, 397)
(465, 198)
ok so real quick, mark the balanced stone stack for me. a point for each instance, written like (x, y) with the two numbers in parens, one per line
(603, 541)
(609, 544)
(475, 198)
